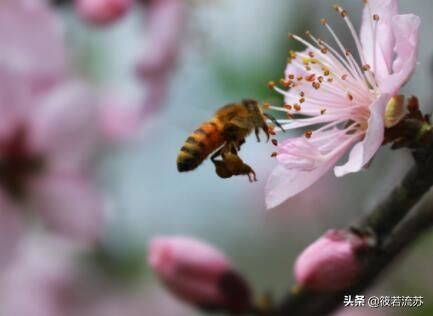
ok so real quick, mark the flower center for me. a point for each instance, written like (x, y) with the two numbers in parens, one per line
(17, 164)
(328, 86)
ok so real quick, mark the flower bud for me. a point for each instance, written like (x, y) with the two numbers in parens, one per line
(102, 12)
(199, 274)
(331, 262)
(395, 111)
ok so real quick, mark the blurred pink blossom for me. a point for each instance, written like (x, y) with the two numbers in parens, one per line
(48, 135)
(198, 274)
(31, 41)
(37, 282)
(165, 26)
(331, 262)
(102, 12)
(46, 145)
(330, 88)
(11, 229)
(118, 121)
(112, 300)
(49, 278)
(166, 19)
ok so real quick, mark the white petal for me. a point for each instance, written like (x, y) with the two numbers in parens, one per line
(383, 39)
(363, 151)
(284, 183)
(406, 31)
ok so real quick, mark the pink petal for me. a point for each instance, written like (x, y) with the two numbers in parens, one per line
(166, 18)
(331, 262)
(14, 101)
(65, 126)
(283, 183)
(102, 12)
(303, 122)
(31, 41)
(406, 31)
(11, 230)
(168, 253)
(363, 151)
(118, 121)
(384, 43)
(70, 205)
(157, 88)
(195, 272)
(39, 280)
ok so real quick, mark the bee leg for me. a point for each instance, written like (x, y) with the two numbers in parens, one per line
(247, 170)
(257, 131)
(234, 147)
(252, 176)
(231, 147)
(240, 143)
(274, 121)
(265, 129)
(216, 154)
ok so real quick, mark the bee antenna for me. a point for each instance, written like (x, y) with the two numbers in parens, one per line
(274, 120)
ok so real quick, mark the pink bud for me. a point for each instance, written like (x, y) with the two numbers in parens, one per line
(198, 274)
(102, 12)
(331, 262)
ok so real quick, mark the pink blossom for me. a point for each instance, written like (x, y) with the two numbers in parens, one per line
(118, 121)
(31, 41)
(331, 262)
(37, 283)
(48, 135)
(166, 19)
(164, 26)
(11, 230)
(110, 299)
(331, 89)
(49, 278)
(47, 142)
(102, 12)
(198, 273)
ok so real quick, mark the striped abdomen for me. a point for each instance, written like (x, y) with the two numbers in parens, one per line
(203, 141)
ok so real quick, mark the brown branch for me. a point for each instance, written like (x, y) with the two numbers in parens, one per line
(307, 303)
(382, 220)
(391, 228)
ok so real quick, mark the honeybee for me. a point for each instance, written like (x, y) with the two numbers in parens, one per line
(222, 136)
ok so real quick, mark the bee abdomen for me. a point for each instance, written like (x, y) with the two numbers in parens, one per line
(198, 146)
(189, 158)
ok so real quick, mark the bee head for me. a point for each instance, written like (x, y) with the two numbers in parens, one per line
(254, 110)
(251, 105)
